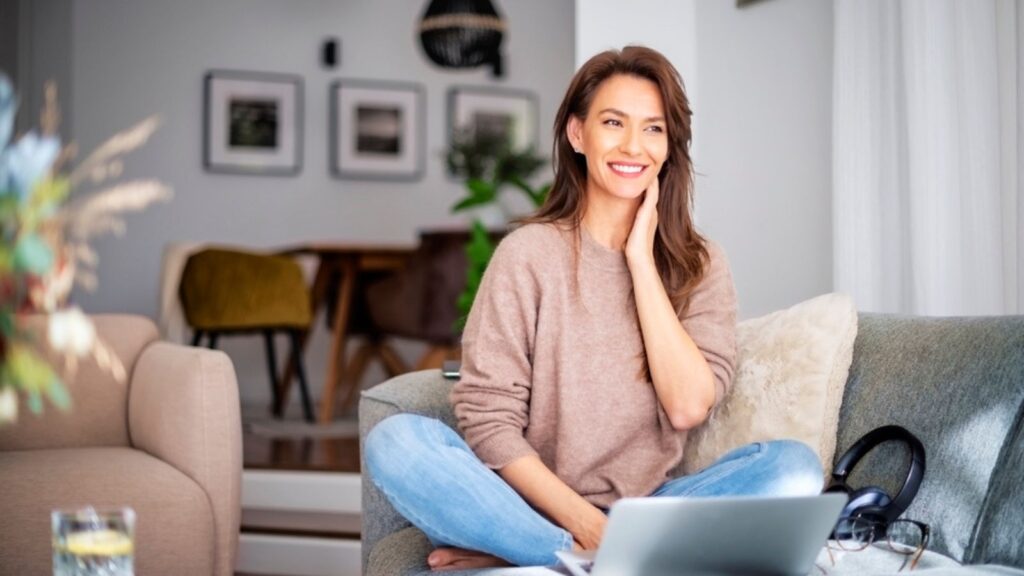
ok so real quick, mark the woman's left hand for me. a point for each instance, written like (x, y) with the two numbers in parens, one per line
(640, 244)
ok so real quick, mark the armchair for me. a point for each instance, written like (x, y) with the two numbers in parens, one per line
(167, 443)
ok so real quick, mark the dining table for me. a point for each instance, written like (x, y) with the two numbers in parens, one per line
(352, 262)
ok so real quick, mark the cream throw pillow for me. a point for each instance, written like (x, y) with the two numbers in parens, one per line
(790, 375)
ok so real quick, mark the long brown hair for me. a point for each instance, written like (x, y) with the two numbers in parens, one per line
(680, 252)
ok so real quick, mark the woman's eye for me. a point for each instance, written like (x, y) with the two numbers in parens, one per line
(612, 122)
(657, 129)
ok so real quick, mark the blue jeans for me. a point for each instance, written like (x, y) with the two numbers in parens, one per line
(433, 479)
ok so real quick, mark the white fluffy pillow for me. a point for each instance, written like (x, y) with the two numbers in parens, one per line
(790, 375)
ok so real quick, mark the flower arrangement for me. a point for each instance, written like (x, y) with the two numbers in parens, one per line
(45, 227)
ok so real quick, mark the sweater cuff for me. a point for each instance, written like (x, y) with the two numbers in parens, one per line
(500, 450)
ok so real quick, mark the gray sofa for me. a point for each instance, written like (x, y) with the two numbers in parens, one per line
(957, 383)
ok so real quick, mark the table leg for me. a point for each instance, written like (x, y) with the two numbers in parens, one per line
(336, 362)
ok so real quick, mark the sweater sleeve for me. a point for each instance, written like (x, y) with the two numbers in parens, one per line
(491, 398)
(710, 319)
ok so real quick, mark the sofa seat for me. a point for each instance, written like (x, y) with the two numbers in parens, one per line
(34, 482)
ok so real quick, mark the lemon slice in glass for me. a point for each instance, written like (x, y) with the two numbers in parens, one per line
(99, 543)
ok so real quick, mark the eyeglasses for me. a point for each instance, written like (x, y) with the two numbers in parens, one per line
(906, 537)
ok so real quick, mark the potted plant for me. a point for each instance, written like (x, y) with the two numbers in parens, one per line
(489, 165)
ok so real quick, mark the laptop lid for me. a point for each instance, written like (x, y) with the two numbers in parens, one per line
(736, 535)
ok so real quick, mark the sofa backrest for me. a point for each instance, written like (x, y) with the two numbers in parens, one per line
(958, 385)
(99, 403)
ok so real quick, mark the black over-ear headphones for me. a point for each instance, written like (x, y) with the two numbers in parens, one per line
(872, 502)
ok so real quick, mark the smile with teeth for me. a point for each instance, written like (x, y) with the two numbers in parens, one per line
(626, 169)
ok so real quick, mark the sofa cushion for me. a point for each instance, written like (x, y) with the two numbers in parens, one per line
(174, 524)
(998, 535)
(99, 403)
(790, 372)
(955, 383)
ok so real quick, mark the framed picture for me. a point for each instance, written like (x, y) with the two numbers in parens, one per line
(500, 113)
(377, 130)
(252, 123)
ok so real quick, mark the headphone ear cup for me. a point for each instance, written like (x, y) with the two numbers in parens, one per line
(869, 499)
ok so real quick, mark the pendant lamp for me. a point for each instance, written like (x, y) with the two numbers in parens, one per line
(463, 34)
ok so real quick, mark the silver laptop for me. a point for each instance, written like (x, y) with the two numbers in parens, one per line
(702, 536)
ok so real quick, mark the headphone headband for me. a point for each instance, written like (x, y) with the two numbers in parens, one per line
(872, 439)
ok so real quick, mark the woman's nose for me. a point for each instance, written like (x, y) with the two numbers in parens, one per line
(630, 143)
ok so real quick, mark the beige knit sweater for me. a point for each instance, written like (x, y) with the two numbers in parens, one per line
(557, 371)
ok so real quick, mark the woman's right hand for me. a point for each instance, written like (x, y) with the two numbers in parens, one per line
(589, 528)
(546, 492)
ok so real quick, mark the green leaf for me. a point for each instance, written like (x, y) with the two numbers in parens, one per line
(33, 255)
(481, 188)
(7, 324)
(480, 247)
(58, 395)
(480, 192)
(35, 402)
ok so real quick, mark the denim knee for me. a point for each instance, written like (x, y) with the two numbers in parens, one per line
(798, 469)
(396, 439)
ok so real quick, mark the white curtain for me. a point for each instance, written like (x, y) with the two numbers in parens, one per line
(927, 205)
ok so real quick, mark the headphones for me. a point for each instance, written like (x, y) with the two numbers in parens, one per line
(872, 502)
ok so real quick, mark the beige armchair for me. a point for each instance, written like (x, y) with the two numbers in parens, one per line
(167, 443)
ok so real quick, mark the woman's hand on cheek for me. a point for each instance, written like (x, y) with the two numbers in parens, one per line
(640, 244)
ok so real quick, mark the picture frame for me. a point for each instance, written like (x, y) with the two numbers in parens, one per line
(252, 122)
(377, 130)
(498, 110)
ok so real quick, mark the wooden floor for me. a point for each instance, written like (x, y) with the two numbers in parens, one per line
(310, 454)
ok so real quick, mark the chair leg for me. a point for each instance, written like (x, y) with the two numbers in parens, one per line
(213, 340)
(277, 408)
(435, 356)
(300, 373)
(196, 337)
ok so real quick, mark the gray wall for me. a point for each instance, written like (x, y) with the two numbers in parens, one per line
(765, 154)
(35, 47)
(133, 58)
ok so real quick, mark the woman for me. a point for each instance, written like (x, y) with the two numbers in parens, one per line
(602, 331)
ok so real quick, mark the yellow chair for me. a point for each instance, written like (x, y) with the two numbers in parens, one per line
(234, 292)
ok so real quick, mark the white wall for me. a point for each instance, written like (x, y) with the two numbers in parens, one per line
(760, 83)
(133, 58)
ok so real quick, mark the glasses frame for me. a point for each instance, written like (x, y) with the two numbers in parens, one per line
(878, 530)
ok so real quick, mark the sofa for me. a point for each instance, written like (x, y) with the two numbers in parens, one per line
(166, 442)
(957, 383)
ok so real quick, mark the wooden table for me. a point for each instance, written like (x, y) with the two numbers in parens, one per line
(352, 260)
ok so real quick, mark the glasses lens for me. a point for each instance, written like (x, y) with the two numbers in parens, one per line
(854, 533)
(905, 537)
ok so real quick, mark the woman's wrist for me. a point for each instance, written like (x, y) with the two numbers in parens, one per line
(641, 264)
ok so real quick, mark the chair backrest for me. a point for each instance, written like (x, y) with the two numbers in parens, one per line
(99, 403)
(421, 301)
(233, 290)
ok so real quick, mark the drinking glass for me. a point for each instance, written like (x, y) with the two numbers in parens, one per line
(90, 542)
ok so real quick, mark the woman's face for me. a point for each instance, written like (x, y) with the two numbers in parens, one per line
(624, 137)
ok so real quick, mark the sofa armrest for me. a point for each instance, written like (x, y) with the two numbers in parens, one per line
(183, 408)
(424, 392)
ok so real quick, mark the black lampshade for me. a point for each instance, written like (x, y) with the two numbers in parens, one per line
(463, 34)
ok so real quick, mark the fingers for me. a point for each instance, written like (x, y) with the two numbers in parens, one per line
(653, 192)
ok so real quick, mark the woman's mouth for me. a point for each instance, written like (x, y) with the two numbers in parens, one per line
(626, 169)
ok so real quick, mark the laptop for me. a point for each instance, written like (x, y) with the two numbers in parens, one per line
(752, 536)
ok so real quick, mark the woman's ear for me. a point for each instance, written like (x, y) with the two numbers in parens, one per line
(574, 131)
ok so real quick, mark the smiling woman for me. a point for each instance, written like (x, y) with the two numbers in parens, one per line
(603, 327)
